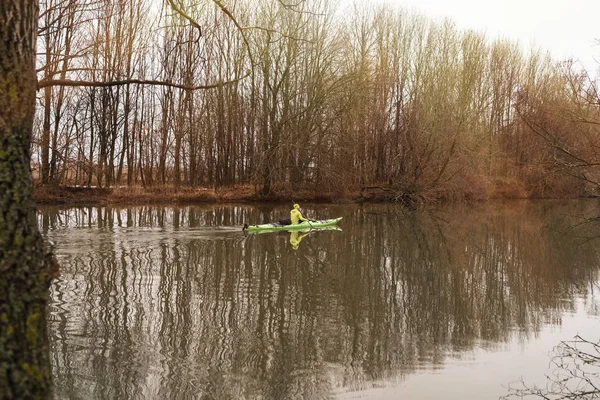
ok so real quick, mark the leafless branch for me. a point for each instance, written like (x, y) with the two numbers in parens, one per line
(238, 26)
(68, 82)
(294, 7)
(277, 32)
(540, 131)
(191, 20)
(575, 375)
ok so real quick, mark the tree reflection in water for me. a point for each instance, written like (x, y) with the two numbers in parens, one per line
(179, 303)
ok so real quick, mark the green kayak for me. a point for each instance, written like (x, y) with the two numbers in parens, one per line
(302, 226)
(292, 231)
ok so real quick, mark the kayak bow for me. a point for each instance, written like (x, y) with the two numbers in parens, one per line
(304, 225)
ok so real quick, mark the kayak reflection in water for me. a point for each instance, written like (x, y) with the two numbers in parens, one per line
(296, 237)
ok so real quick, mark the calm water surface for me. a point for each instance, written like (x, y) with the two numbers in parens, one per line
(178, 303)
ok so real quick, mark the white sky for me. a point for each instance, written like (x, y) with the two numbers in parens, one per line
(567, 28)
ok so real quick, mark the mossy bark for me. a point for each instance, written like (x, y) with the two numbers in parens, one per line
(24, 353)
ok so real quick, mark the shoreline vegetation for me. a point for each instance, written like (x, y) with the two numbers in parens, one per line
(76, 195)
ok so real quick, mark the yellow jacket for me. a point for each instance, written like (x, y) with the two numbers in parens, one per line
(296, 215)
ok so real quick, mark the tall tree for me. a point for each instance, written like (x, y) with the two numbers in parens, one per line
(24, 357)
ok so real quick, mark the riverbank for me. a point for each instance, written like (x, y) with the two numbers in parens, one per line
(76, 195)
(168, 194)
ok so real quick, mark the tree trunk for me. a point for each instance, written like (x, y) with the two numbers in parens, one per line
(45, 144)
(24, 354)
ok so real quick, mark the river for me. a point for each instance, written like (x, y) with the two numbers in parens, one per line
(457, 302)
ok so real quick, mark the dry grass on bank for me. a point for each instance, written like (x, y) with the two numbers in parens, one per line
(68, 195)
(72, 195)
(159, 194)
(137, 195)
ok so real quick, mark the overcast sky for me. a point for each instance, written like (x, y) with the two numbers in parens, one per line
(567, 28)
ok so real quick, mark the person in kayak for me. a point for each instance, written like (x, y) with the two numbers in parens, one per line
(296, 216)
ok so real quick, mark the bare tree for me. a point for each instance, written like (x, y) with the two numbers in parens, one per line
(575, 374)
